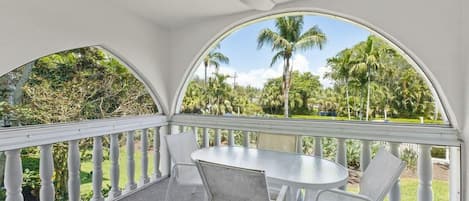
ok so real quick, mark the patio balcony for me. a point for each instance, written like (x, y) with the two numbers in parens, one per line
(150, 132)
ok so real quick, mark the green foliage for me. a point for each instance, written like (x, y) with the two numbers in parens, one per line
(87, 196)
(410, 157)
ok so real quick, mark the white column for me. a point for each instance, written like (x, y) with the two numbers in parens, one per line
(246, 139)
(131, 185)
(365, 156)
(114, 156)
(73, 164)
(206, 142)
(395, 193)
(341, 156)
(299, 144)
(424, 169)
(454, 174)
(231, 139)
(156, 154)
(46, 170)
(14, 175)
(97, 169)
(217, 137)
(317, 147)
(144, 179)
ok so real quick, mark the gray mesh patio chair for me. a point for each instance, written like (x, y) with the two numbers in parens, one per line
(380, 175)
(185, 179)
(227, 183)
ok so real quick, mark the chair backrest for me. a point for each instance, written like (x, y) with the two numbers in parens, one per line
(181, 146)
(380, 175)
(274, 142)
(226, 183)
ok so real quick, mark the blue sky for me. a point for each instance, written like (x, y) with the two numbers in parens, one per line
(253, 65)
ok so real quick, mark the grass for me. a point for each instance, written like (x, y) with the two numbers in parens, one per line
(87, 168)
(409, 188)
(393, 120)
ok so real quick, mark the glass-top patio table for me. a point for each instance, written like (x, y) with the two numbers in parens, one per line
(294, 170)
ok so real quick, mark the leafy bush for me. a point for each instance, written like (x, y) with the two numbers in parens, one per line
(87, 196)
(410, 157)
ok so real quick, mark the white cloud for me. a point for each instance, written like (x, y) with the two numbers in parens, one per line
(321, 71)
(256, 77)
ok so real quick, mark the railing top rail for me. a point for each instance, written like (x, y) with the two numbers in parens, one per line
(391, 132)
(27, 136)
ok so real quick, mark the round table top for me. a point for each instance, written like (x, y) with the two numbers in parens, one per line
(291, 169)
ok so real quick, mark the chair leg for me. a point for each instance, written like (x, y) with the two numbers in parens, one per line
(293, 194)
(168, 190)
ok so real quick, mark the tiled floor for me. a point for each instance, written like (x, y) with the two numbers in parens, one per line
(156, 192)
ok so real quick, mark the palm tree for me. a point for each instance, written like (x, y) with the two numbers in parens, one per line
(341, 66)
(285, 40)
(214, 58)
(368, 62)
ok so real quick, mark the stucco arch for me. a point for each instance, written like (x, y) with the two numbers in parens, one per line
(411, 57)
(135, 72)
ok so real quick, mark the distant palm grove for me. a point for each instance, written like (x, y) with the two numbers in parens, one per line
(371, 81)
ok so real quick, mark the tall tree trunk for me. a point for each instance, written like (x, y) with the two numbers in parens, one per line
(205, 78)
(348, 101)
(368, 95)
(18, 92)
(286, 87)
(361, 104)
(2, 166)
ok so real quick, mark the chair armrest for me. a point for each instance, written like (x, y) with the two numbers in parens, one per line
(342, 194)
(184, 164)
(282, 193)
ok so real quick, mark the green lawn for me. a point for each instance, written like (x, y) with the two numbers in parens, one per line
(394, 120)
(409, 189)
(87, 167)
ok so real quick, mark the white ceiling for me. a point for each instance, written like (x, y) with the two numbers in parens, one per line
(175, 13)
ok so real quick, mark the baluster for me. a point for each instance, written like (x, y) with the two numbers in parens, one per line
(144, 138)
(395, 193)
(97, 169)
(156, 154)
(181, 128)
(341, 156)
(317, 147)
(365, 156)
(454, 174)
(299, 144)
(246, 139)
(424, 169)
(231, 139)
(114, 149)
(217, 137)
(73, 165)
(194, 129)
(206, 142)
(14, 177)
(131, 185)
(46, 170)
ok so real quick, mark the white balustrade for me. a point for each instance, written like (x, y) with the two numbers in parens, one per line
(365, 156)
(144, 148)
(246, 139)
(181, 128)
(46, 170)
(454, 174)
(156, 154)
(299, 144)
(395, 193)
(14, 175)
(317, 147)
(206, 136)
(231, 139)
(114, 156)
(341, 156)
(73, 164)
(424, 170)
(131, 185)
(217, 137)
(195, 129)
(97, 169)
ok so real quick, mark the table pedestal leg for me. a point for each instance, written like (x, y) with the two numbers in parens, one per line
(310, 194)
